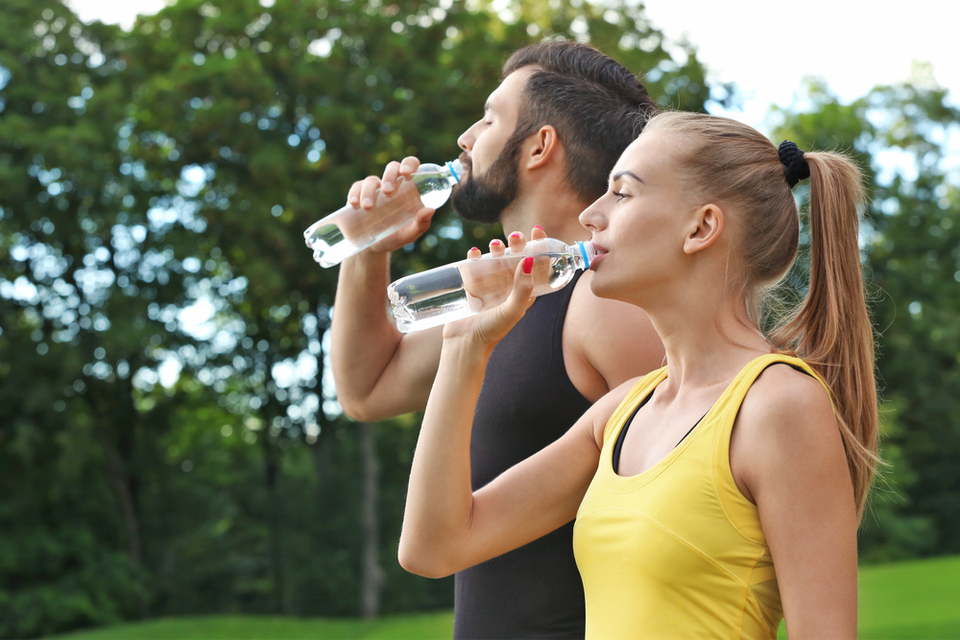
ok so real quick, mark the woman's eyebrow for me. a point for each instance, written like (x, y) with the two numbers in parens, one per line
(619, 174)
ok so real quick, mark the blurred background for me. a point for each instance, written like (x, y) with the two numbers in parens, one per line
(170, 441)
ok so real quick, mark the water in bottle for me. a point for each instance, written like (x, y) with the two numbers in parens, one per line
(462, 289)
(350, 230)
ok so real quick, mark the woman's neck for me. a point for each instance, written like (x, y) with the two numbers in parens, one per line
(708, 343)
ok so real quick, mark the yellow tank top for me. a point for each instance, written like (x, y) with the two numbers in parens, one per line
(677, 551)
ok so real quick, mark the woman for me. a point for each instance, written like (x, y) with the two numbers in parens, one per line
(722, 493)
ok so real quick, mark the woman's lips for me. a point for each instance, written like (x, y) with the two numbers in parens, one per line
(599, 253)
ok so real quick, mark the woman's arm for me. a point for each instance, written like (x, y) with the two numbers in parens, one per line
(787, 457)
(446, 526)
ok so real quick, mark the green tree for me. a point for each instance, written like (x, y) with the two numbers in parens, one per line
(82, 283)
(282, 108)
(178, 448)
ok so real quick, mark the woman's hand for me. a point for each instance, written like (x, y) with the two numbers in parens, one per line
(490, 326)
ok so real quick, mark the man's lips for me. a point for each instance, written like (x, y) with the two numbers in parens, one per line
(466, 162)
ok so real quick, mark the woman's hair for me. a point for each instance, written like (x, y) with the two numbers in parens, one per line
(731, 163)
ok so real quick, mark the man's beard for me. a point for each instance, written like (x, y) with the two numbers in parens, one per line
(484, 198)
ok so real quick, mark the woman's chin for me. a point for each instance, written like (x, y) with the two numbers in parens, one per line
(602, 288)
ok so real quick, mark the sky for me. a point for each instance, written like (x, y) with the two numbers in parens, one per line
(767, 47)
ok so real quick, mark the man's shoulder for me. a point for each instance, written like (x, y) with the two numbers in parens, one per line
(592, 313)
(607, 342)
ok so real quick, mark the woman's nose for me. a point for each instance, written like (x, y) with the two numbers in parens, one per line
(593, 217)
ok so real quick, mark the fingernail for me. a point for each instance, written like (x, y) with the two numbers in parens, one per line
(474, 249)
(496, 242)
(387, 186)
(538, 227)
(528, 265)
(367, 202)
(515, 235)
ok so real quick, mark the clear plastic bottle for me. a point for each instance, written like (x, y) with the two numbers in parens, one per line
(349, 230)
(462, 289)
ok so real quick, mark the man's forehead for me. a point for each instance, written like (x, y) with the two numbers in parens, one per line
(510, 87)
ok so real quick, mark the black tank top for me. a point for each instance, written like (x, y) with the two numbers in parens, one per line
(527, 402)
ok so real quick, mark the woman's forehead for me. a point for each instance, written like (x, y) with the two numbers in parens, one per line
(650, 150)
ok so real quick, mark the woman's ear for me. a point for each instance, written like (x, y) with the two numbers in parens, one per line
(708, 226)
(541, 146)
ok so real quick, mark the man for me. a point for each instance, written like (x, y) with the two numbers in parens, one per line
(541, 154)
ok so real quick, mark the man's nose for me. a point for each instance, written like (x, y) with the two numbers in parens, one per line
(466, 139)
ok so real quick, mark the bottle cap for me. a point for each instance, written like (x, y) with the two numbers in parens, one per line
(456, 168)
(587, 251)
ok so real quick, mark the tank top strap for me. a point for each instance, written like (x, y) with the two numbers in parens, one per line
(729, 402)
(723, 416)
(559, 301)
(643, 387)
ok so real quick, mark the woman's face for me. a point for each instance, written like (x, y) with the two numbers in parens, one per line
(639, 225)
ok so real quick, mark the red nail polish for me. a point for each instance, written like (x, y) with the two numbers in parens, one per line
(515, 235)
(538, 227)
(497, 242)
(528, 265)
(474, 249)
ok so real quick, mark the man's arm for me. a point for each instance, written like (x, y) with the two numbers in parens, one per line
(607, 342)
(379, 372)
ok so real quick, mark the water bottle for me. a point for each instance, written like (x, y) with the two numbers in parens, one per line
(431, 298)
(349, 230)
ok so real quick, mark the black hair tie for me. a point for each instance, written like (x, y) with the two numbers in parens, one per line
(795, 168)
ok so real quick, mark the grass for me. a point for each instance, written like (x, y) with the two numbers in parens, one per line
(405, 627)
(915, 600)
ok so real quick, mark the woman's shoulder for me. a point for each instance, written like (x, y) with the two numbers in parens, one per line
(785, 407)
(786, 427)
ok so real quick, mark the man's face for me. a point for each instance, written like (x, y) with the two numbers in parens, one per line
(491, 154)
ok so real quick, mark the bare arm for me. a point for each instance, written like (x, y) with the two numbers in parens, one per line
(379, 372)
(447, 527)
(787, 456)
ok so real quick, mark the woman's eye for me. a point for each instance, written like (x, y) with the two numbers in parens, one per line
(620, 195)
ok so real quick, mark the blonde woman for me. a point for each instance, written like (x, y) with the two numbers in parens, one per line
(722, 493)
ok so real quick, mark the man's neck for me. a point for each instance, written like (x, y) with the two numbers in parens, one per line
(559, 218)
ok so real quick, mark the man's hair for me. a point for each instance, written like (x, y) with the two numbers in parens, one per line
(596, 105)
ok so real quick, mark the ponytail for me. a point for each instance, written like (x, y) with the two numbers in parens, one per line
(831, 329)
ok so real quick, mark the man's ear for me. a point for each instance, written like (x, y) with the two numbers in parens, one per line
(707, 228)
(541, 147)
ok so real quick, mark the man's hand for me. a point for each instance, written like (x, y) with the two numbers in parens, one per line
(363, 195)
